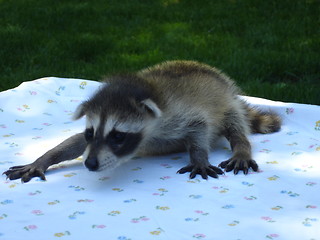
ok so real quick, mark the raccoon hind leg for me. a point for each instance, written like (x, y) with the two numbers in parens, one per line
(197, 143)
(235, 130)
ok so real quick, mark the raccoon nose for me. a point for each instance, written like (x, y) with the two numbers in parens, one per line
(92, 164)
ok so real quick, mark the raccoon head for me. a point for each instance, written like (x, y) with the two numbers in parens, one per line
(117, 121)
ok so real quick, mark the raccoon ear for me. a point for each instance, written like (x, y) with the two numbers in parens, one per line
(80, 112)
(152, 107)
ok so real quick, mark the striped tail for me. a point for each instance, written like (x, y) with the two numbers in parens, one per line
(263, 121)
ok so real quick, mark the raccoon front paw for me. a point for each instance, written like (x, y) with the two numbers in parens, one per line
(25, 172)
(210, 170)
(238, 164)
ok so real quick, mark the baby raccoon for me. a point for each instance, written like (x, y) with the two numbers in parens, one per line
(171, 107)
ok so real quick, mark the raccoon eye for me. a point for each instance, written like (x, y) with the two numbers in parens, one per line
(88, 134)
(116, 137)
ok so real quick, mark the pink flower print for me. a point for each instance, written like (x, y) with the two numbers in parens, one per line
(199, 236)
(101, 226)
(37, 212)
(289, 110)
(30, 227)
(165, 165)
(145, 219)
(272, 236)
(162, 192)
(268, 219)
(165, 177)
(137, 220)
(201, 212)
(311, 184)
(311, 206)
(34, 193)
(250, 198)
(85, 200)
(198, 211)
(265, 151)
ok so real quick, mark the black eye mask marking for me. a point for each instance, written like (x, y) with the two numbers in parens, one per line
(116, 137)
(122, 143)
(88, 134)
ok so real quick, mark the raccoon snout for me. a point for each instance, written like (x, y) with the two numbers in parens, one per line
(92, 164)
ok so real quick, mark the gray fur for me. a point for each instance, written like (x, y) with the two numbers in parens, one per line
(171, 107)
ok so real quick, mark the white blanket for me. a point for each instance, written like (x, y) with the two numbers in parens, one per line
(145, 198)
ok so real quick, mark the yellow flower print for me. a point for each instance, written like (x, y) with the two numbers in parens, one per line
(117, 189)
(157, 232)
(273, 178)
(82, 85)
(234, 223)
(163, 208)
(114, 213)
(66, 233)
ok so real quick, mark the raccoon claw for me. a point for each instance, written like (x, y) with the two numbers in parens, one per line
(25, 172)
(237, 165)
(210, 170)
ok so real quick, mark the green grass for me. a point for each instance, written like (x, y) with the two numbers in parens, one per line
(271, 48)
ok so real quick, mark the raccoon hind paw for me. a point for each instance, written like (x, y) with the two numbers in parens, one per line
(194, 170)
(238, 164)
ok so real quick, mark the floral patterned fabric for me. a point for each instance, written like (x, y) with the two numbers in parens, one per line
(145, 198)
